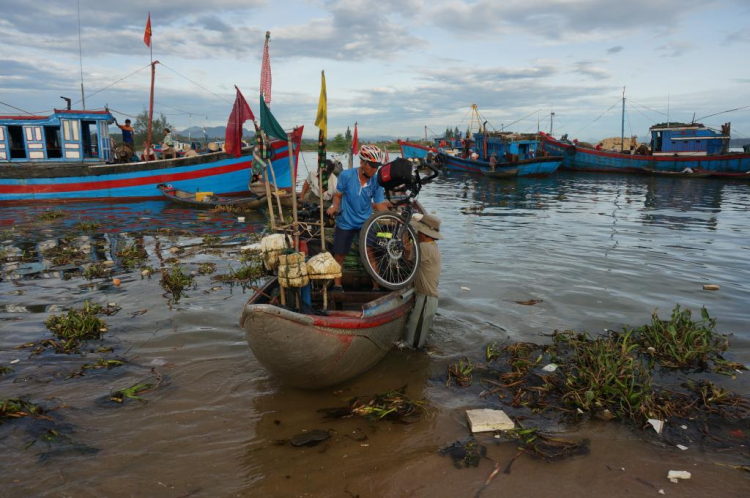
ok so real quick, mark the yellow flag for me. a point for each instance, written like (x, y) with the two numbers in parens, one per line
(322, 120)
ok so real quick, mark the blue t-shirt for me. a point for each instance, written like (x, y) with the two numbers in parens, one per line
(356, 206)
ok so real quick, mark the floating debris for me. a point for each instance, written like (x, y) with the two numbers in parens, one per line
(530, 302)
(175, 281)
(545, 447)
(206, 268)
(131, 256)
(390, 405)
(75, 327)
(13, 408)
(488, 420)
(86, 226)
(310, 438)
(676, 475)
(711, 287)
(460, 372)
(97, 270)
(211, 239)
(101, 364)
(465, 453)
(50, 215)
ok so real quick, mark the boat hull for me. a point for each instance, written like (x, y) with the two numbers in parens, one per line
(216, 172)
(410, 150)
(585, 159)
(540, 166)
(314, 352)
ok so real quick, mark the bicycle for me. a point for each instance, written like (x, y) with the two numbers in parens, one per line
(389, 248)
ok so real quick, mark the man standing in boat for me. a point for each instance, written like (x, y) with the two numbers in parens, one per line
(311, 190)
(127, 132)
(167, 149)
(357, 193)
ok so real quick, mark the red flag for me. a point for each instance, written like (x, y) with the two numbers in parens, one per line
(265, 73)
(240, 113)
(147, 33)
(355, 142)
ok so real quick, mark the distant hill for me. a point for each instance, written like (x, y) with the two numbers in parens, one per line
(739, 142)
(213, 132)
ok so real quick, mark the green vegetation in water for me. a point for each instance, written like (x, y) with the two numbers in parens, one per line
(13, 408)
(63, 254)
(75, 327)
(86, 226)
(211, 239)
(492, 352)
(682, 342)
(5, 370)
(245, 273)
(101, 364)
(132, 392)
(175, 281)
(392, 405)
(206, 268)
(542, 446)
(132, 256)
(465, 453)
(460, 373)
(50, 215)
(96, 270)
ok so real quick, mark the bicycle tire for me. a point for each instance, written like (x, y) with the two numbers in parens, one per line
(388, 268)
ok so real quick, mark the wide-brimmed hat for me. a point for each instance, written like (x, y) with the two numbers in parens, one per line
(428, 225)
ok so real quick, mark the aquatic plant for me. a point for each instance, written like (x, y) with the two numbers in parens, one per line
(102, 363)
(12, 408)
(492, 352)
(131, 392)
(681, 342)
(460, 372)
(5, 370)
(465, 453)
(131, 256)
(206, 268)
(63, 254)
(96, 270)
(50, 215)
(211, 239)
(86, 226)
(77, 326)
(392, 405)
(175, 281)
(548, 448)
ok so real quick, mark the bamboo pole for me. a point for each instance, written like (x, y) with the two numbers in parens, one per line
(293, 176)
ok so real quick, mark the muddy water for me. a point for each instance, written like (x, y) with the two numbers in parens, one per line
(599, 251)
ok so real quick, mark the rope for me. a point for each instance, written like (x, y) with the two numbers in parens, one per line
(17, 109)
(639, 112)
(646, 107)
(722, 112)
(113, 84)
(519, 120)
(600, 116)
(197, 84)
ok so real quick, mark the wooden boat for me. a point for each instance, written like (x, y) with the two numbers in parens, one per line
(537, 166)
(67, 157)
(315, 351)
(510, 173)
(680, 174)
(190, 199)
(674, 147)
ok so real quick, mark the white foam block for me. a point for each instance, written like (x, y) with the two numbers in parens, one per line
(487, 419)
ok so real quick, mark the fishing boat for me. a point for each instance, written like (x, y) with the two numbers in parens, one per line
(315, 351)
(211, 200)
(536, 166)
(68, 156)
(410, 150)
(511, 173)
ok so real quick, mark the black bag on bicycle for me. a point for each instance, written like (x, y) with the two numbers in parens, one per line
(395, 174)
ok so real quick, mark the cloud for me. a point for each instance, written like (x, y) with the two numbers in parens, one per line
(561, 20)
(588, 69)
(615, 50)
(675, 48)
(740, 36)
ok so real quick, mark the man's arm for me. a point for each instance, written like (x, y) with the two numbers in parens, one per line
(381, 206)
(335, 204)
(305, 187)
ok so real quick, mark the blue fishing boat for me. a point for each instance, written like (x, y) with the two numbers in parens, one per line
(411, 150)
(674, 147)
(68, 156)
(537, 166)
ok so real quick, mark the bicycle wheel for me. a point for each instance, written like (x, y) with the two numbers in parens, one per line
(391, 260)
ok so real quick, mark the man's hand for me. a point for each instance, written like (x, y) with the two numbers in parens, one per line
(331, 211)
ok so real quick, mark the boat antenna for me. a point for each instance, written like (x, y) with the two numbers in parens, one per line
(622, 135)
(67, 101)
(551, 121)
(668, 110)
(80, 57)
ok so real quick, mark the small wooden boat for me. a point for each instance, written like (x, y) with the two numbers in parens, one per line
(211, 201)
(315, 351)
(510, 173)
(680, 174)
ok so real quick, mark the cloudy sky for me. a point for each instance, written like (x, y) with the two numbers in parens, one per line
(395, 66)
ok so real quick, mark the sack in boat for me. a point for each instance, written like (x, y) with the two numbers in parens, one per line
(271, 246)
(323, 267)
(293, 270)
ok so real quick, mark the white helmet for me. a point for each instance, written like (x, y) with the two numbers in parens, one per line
(371, 154)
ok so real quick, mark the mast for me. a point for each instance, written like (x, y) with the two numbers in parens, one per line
(622, 134)
(425, 133)
(80, 56)
(551, 121)
(150, 109)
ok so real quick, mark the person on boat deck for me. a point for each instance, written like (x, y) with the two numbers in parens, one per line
(167, 147)
(127, 132)
(426, 281)
(493, 161)
(357, 193)
(311, 189)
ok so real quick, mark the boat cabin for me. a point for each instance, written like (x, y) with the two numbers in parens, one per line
(695, 139)
(523, 149)
(65, 136)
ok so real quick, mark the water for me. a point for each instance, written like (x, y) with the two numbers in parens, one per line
(599, 251)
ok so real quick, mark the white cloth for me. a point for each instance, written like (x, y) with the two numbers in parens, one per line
(312, 181)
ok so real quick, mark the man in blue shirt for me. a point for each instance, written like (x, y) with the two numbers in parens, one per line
(357, 193)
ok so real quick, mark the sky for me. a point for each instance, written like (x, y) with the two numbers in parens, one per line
(393, 66)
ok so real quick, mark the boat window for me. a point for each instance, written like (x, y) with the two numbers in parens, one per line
(17, 142)
(90, 139)
(52, 139)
